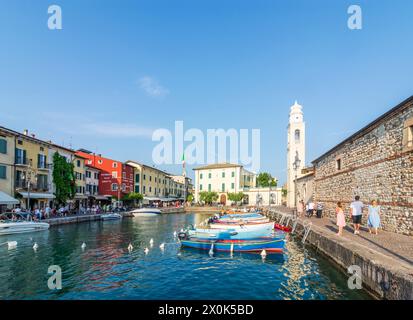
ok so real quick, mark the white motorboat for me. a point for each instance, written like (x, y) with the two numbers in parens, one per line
(10, 227)
(143, 212)
(247, 227)
(111, 216)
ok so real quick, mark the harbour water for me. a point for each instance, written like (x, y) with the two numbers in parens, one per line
(105, 269)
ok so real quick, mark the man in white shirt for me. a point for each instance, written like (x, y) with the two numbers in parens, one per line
(310, 210)
(356, 213)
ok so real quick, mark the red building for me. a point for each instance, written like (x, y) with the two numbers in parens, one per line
(115, 179)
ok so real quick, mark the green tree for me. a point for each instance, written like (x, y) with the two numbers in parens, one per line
(236, 197)
(63, 178)
(190, 198)
(208, 197)
(133, 196)
(265, 180)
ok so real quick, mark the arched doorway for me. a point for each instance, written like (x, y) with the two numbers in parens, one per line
(223, 199)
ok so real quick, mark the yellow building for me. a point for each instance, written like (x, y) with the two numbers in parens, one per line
(29, 177)
(7, 162)
(149, 181)
(80, 176)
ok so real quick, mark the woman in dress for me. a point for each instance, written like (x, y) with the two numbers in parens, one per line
(373, 219)
(341, 221)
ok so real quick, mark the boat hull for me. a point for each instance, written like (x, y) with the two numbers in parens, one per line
(269, 245)
(146, 212)
(111, 216)
(230, 233)
(22, 227)
(246, 227)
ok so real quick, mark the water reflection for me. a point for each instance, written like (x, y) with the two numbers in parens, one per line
(107, 270)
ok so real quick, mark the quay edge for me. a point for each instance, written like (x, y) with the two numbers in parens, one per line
(382, 276)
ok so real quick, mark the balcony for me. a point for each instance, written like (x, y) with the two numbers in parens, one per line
(20, 184)
(42, 187)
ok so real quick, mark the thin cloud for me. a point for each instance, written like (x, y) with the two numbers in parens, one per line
(151, 87)
(74, 126)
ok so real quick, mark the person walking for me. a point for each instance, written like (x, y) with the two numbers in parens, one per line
(341, 220)
(373, 218)
(310, 210)
(356, 213)
(47, 212)
(319, 210)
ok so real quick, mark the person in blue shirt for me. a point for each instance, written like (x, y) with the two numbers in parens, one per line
(373, 219)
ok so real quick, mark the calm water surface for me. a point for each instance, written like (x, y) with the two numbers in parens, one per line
(106, 270)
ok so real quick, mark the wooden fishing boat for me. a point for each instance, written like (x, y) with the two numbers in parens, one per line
(270, 245)
(243, 226)
(233, 234)
(282, 228)
(240, 221)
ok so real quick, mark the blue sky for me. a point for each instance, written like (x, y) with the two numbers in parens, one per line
(120, 69)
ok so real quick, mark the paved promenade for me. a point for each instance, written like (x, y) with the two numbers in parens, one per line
(386, 259)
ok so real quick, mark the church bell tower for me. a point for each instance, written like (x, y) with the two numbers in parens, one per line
(295, 151)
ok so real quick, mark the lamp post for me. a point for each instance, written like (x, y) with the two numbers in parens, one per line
(29, 174)
(296, 166)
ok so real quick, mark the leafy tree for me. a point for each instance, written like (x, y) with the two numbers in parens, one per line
(190, 198)
(63, 178)
(133, 196)
(236, 197)
(208, 197)
(265, 180)
(284, 192)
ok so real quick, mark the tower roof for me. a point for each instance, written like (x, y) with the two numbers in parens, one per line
(296, 108)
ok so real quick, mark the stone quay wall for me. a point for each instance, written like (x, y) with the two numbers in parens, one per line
(376, 164)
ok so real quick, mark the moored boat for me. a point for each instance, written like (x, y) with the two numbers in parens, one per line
(10, 227)
(142, 212)
(229, 234)
(111, 216)
(282, 228)
(243, 226)
(270, 245)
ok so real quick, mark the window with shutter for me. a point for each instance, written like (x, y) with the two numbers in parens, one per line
(3, 172)
(3, 146)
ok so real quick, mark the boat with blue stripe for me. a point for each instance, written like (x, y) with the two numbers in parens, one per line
(269, 245)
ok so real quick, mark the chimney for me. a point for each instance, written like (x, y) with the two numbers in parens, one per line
(26, 132)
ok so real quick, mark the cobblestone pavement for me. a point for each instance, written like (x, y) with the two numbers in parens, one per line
(397, 246)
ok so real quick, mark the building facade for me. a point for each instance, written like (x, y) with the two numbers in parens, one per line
(116, 179)
(153, 182)
(268, 196)
(295, 150)
(80, 199)
(223, 178)
(305, 187)
(31, 170)
(375, 163)
(7, 150)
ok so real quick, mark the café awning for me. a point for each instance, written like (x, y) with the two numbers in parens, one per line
(37, 195)
(6, 199)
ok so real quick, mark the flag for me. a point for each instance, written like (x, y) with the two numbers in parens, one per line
(183, 165)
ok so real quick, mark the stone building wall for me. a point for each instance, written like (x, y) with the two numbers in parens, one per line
(305, 188)
(376, 163)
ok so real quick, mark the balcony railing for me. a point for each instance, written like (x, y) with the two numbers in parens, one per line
(20, 184)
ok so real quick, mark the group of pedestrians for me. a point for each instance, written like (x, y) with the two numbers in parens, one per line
(310, 209)
(356, 214)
